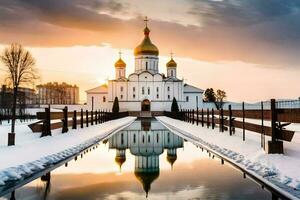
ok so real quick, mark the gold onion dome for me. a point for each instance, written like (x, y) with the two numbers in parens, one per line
(146, 179)
(120, 160)
(120, 63)
(171, 159)
(146, 47)
(171, 63)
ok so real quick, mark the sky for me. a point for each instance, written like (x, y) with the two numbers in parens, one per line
(249, 48)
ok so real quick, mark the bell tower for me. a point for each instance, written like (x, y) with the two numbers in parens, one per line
(120, 68)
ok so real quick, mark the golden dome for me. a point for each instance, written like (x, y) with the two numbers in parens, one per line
(120, 160)
(171, 63)
(146, 179)
(146, 47)
(171, 159)
(120, 63)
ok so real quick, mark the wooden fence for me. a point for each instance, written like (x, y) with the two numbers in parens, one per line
(54, 120)
(231, 119)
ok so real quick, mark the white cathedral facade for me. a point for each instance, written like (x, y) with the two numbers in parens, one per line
(146, 89)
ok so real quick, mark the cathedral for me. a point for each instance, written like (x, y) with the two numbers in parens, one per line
(146, 89)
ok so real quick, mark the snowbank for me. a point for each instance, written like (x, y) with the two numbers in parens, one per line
(27, 158)
(281, 171)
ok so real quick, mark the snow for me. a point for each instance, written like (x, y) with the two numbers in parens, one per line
(32, 154)
(281, 171)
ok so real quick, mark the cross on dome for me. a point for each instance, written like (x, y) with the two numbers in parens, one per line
(146, 21)
(171, 54)
(120, 53)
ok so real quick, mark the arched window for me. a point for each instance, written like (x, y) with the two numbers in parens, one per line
(187, 98)
(149, 138)
(148, 90)
(104, 99)
(133, 89)
(143, 139)
(168, 88)
(146, 65)
(157, 138)
(143, 90)
(171, 72)
(122, 88)
(122, 138)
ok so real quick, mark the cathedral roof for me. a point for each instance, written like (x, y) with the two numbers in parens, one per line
(171, 63)
(146, 47)
(120, 63)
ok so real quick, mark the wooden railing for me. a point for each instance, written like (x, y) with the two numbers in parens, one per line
(228, 120)
(54, 120)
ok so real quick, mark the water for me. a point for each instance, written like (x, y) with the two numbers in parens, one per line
(145, 160)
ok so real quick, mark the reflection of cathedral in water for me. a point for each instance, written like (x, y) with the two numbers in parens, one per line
(146, 140)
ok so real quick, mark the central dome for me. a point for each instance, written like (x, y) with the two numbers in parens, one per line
(146, 47)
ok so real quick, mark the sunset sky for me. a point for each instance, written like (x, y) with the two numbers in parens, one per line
(249, 48)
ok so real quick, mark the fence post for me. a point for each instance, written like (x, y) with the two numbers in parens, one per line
(262, 139)
(202, 118)
(46, 131)
(197, 116)
(87, 118)
(243, 110)
(193, 117)
(230, 120)
(92, 117)
(207, 118)
(81, 118)
(274, 146)
(96, 117)
(65, 120)
(212, 118)
(74, 125)
(222, 120)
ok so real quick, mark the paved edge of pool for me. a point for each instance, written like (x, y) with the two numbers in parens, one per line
(269, 185)
(52, 166)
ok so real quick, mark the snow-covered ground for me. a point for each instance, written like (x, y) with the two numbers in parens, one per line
(280, 171)
(32, 153)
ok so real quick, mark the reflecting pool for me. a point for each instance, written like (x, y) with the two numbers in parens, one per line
(145, 160)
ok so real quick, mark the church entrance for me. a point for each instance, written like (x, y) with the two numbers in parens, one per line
(145, 105)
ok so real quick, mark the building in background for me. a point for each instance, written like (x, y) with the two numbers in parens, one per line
(58, 93)
(26, 97)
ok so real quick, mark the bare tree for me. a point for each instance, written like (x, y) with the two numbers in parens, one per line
(20, 68)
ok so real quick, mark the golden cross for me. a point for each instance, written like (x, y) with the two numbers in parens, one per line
(172, 53)
(120, 53)
(146, 20)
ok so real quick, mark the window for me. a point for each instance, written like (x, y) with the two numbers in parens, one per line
(157, 138)
(148, 91)
(157, 89)
(121, 96)
(148, 138)
(171, 72)
(168, 88)
(168, 96)
(133, 89)
(121, 88)
(143, 90)
(143, 139)
(133, 96)
(122, 138)
(157, 96)
(187, 98)
(134, 138)
(146, 65)
(104, 99)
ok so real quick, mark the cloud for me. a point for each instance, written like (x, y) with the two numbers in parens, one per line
(255, 31)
